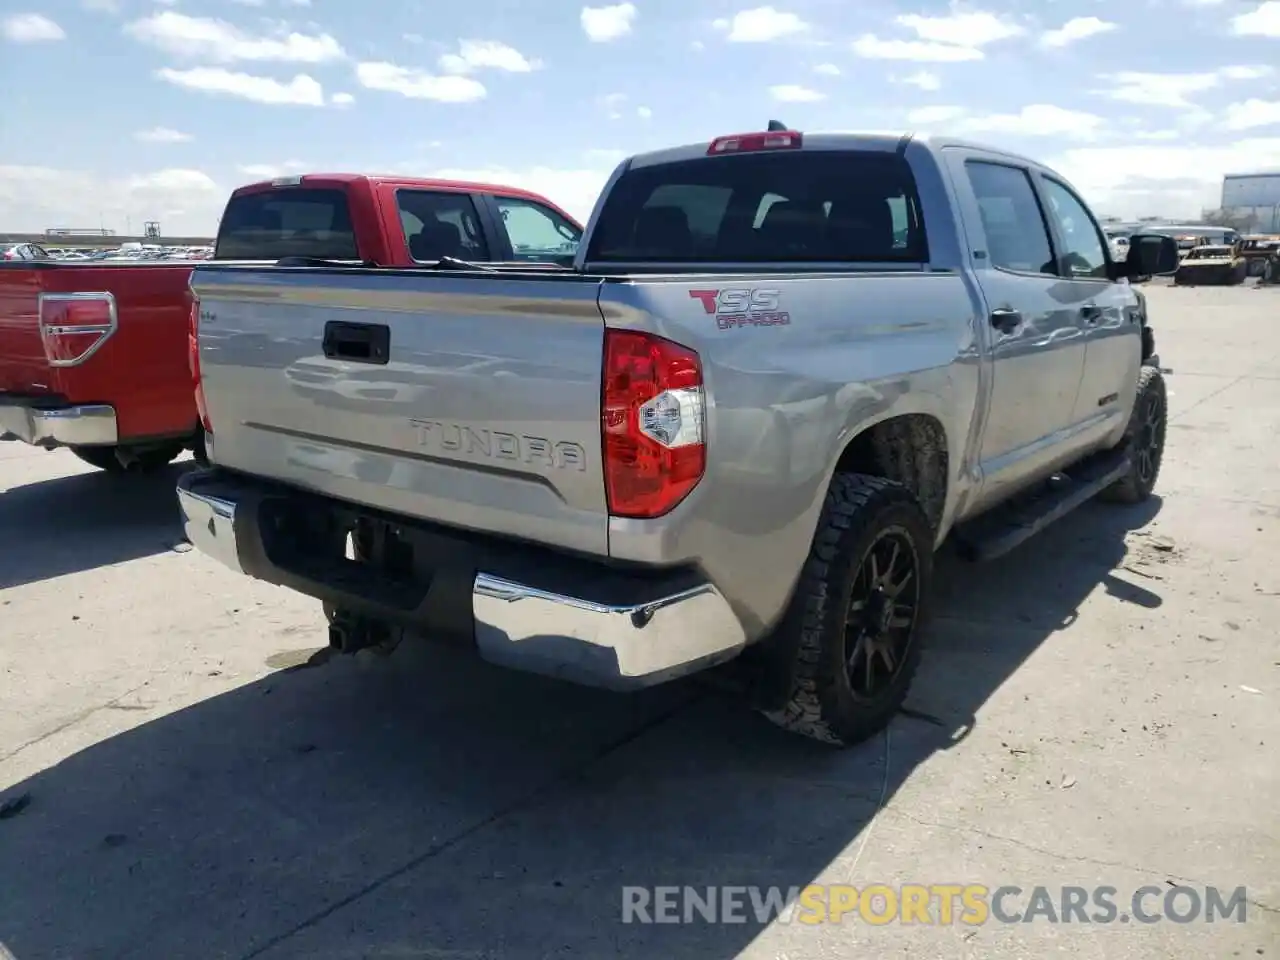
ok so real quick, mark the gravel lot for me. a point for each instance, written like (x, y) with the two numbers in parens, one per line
(1101, 707)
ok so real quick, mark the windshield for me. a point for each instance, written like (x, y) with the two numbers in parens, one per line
(288, 222)
(775, 207)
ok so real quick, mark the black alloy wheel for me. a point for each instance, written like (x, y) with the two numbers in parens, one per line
(881, 615)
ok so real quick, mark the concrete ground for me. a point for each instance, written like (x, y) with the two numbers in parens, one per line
(1101, 707)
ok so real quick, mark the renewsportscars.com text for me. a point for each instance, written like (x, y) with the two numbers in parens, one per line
(933, 904)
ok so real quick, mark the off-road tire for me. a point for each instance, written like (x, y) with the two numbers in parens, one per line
(144, 461)
(1134, 488)
(821, 705)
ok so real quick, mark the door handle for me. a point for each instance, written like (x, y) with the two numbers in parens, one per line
(357, 342)
(1005, 320)
(1091, 314)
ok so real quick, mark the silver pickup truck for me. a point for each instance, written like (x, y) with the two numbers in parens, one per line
(779, 372)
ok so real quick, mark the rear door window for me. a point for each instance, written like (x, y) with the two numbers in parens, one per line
(1017, 234)
(441, 224)
(288, 222)
(770, 207)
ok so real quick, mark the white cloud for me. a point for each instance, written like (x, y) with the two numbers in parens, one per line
(302, 90)
(186, 202)
(975, 28)
(269, 171)
(603, 24)
(760, 25)
(1264, 21)
(1158, 89)
(418, 84)
(476, 55)
(216, 41)
(938, 114)
(1173, 89)
(1246, 72)
(873, 48)
(162, 135)
(923, 79)
(1152, 179)
(1077, 28)
(31, 28)
(573, 190)
(342, 100)
(827, 69)
(956, 37)
(1252, 113)
(615, 107)
(794, 93)
(1035, 120)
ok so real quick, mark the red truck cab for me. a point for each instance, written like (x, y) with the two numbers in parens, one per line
(94, 354)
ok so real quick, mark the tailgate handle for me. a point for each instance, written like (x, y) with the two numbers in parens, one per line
(357, 342)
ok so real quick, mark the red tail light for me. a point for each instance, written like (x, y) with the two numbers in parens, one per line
(74, 326)
(193, 361)
(652, 422)
(750, 142)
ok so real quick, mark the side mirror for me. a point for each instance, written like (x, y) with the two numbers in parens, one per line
(1151, 255)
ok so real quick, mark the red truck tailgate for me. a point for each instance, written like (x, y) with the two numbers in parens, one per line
(23, 365)
(139, 368)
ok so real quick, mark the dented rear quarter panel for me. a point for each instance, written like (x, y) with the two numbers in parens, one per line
(783, 403)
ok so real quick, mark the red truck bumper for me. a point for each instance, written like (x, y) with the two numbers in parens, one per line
(44, 425)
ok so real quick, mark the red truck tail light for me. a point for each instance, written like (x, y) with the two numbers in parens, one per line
(193, 361)
(74, 326)
(751, 142)
(653, 421)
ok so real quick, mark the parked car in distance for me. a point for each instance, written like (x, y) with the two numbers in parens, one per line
(782, 369)
(1256, 250)
(94, 354)
(24, 251)
(1211, 264)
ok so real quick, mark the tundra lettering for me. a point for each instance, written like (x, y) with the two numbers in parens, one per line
(499, 445)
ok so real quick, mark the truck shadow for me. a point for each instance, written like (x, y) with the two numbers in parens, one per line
(74, 523)
(425, 805)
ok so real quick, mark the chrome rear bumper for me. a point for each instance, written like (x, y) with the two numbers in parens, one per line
(658, 636)
(81, 426)
(611, 645)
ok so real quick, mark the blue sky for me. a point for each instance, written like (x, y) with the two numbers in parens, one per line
(119, 111)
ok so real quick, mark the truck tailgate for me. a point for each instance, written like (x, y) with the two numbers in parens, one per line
(480, 410)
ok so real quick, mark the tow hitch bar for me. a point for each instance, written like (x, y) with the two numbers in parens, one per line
(350, 633)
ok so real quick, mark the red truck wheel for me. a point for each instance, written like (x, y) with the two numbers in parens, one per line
(126, 460)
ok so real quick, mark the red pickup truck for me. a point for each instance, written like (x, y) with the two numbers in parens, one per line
(94, 355)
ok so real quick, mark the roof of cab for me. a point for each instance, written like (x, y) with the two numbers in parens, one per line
(881, 141)
(418, 183)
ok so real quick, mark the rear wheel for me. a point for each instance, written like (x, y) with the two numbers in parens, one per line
(130, 459)
(858, 611)
(1145, 438)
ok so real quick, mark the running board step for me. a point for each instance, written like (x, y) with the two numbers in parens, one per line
(1002, 529)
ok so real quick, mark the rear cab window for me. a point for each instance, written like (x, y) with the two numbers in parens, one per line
(440, 223)
(797, 206)
(287, 222)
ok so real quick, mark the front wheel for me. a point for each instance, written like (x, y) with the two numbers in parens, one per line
(1145, 439)
(130, 460)
(856, 619)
